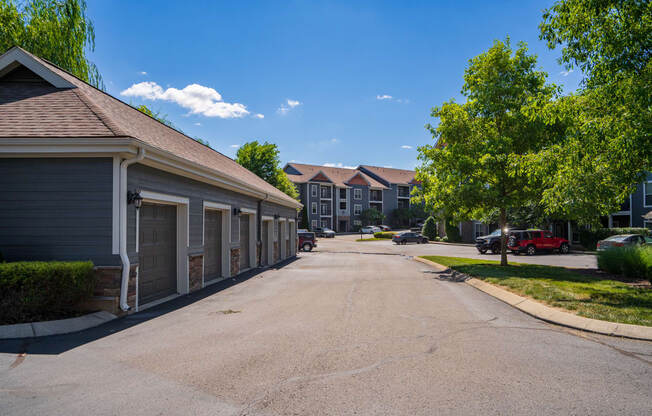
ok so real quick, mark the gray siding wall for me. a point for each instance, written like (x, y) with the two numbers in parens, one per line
(638, 208)
(57, 209)
(364, 201)
(150, 179)
(390, 203)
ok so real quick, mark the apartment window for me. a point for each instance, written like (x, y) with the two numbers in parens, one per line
(313, 191)
(357, 209)
(324, 223)
(343, 204)
(314, 208)
(325, 209)
(357, 193)
(403, 191)
(375, 195)
(342, 193)
(314, 224)
(647, 190)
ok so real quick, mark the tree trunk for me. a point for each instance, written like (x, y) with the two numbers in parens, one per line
(503, 237)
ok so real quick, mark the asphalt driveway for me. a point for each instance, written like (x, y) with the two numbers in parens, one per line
(348, 243)
(332, 333)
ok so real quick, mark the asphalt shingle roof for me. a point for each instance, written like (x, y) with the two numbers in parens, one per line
(41, 110)
(339, 176)
(392, 175)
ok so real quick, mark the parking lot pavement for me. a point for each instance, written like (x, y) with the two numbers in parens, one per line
(349, 243)
(332, 333)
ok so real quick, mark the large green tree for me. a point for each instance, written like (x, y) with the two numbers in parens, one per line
(608, 146)
(263, 160)
(57, 30)
(485, 146)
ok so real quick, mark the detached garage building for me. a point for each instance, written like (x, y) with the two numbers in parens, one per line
(75, 163)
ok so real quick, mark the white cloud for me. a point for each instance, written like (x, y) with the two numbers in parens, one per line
(234, 146)
(566, 73)
(338, 165)
(405, 146)
(403, 101)
(196, 98)
(143, 73)
(197, 124)
(335, 140)
(284, 108)
(384, 97)
(259, 115)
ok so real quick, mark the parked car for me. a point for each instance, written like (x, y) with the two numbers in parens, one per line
(532, 241)
(384, 227)
(489, 242)
(307, 240)
(621, 240)
(409, 237)
(324, 232)
(370, 229)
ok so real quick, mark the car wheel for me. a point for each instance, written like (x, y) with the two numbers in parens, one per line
(495, 248)
(307, 247)
(531, 250)
(564, 249)
(483, 251)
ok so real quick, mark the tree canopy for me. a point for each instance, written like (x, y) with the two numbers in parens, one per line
(608, 145)
(485, 148)
(56, 30)
(263, 160)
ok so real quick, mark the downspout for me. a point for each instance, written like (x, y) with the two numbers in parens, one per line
(124, 257)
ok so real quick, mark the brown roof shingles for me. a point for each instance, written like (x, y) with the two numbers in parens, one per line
(339, 176)
(393, 175)
(85, 111)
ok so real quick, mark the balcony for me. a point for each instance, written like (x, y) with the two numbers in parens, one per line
(378, 206)
(326, 210)
(326, 193)
(403, 191)
(376, 196)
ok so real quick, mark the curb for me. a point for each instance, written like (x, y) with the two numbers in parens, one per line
(58, 327)
(552, 315)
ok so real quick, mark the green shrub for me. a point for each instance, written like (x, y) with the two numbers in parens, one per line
(430, 228)
(589, 237)
(38, 291)
(444, 239)
(632, 262)
(452, 232)
(384, 234)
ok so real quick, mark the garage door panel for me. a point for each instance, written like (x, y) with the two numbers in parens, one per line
(213, 228)
(244, 242)
(265, 244)
(157, 274)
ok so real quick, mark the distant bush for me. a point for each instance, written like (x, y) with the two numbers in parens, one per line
(589, 237)
(430, 228)
(632, 262)
(385, 234)
(38, 291)
(452, 232)
(444, 238)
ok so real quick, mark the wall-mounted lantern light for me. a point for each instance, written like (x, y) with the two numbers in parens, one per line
(237, 211)
(135, 198)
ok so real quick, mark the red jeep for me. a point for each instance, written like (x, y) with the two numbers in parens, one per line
(531, 241)
(307, 240)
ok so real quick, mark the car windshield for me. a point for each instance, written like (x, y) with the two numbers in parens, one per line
(618, 238)
(327, 229)
(496, 233)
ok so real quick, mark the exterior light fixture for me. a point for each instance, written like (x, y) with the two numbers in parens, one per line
(135, 198)
(236, 211)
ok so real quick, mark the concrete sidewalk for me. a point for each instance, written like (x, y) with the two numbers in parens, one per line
(552, 315)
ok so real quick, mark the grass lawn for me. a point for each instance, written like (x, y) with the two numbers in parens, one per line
(585, 295)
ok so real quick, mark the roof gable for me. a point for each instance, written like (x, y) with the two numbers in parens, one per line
(320, 177)
(358, 179)
(16, 57)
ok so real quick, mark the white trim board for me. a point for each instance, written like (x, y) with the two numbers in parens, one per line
(226, 237)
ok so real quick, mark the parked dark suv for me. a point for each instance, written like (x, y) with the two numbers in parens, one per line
(489, 242)
(307, 240)
(532, 241)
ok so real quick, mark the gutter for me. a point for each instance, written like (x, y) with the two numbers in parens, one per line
(124, 257)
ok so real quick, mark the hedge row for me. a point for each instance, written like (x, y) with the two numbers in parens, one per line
(632, 262)
(589, 237)
(385, 234)
(41, 291)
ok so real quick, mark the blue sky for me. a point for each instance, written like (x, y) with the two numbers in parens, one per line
(329, 82)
